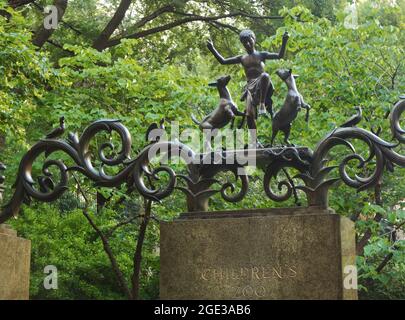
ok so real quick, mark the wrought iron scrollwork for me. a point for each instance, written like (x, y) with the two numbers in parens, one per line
(200, 179)
(202, 176)
(287, 158)
(131, 171)
(381, 155)
(141, 169)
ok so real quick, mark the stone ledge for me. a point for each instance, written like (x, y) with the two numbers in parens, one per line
(255, 213)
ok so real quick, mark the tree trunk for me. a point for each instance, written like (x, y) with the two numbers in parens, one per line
(138, 251)
(107, 248)
(377, 218)
(43, 34)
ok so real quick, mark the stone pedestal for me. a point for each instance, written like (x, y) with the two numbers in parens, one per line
(294, 253)
(14, 265)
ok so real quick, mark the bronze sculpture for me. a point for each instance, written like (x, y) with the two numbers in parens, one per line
(294, 101)
(259, 88)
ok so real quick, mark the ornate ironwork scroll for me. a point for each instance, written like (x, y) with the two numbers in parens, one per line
(382, 155)
(137, 173)
(132, 171)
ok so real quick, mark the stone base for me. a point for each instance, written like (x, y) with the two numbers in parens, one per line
(15, 256)
(294, 253)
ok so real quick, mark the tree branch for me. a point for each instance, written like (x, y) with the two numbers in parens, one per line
(112, 25)
(394, 75)
(121, 224)
(238, 13)
(189, 18)
(59, 46)
(220, 25)
(377, 218)
(71, 27)
(19, 3)
(153, 15)
(389, 256)
(106, 244)
(383, 263)
(110, 254)
(5, 14)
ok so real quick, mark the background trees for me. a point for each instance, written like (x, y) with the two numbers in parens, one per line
(140, 61)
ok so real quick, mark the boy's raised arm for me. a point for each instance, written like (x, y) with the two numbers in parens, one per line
(221, 59)
(280, 55)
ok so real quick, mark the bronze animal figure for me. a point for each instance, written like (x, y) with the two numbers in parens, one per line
(353, 120)
(155, 131)
(224, 113)
(293, 102)
(57, 132)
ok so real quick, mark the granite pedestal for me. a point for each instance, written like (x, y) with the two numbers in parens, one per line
(14, 265)
(294, 253)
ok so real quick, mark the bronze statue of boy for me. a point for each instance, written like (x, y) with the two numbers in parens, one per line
(259, 88)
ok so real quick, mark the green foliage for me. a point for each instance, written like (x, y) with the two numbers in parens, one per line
(389, 283)
(84, 272)
(25, 75)
(63, 242)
